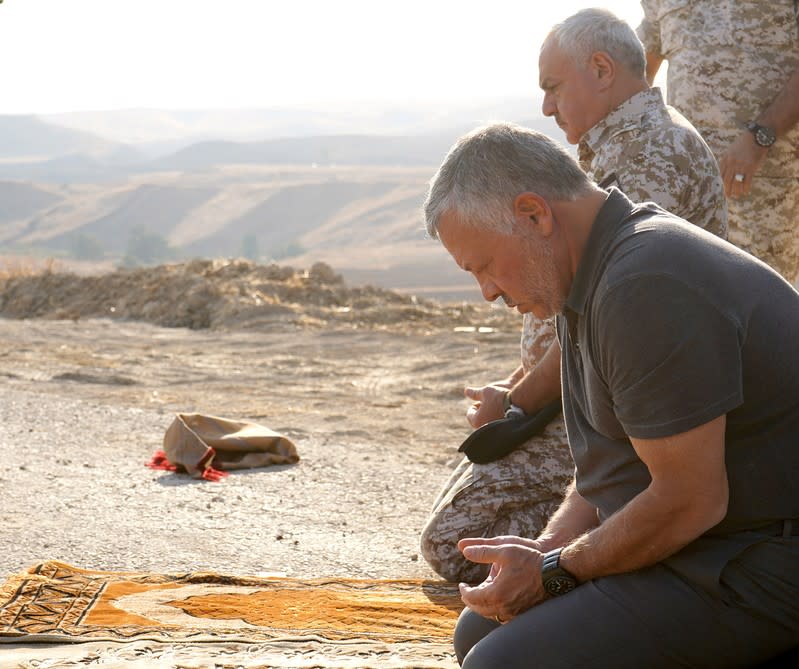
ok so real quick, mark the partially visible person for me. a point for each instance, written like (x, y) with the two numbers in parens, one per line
(592, 69)
(677, 544)
(733, 70)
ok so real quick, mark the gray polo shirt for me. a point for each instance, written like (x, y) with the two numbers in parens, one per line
(667, 327)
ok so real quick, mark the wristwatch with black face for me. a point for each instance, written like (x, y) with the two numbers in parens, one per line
(557, 581)
(763, 136)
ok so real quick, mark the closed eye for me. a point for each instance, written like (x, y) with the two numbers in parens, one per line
(475, 271)
(548, 86)
(480, 269)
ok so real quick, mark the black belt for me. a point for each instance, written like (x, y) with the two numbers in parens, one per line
(782, 528)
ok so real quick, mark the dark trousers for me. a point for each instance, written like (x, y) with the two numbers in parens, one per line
(652, 619)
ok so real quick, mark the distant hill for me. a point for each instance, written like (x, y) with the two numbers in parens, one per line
(363, 221)
(28, 137)
(351, 200)
(160, 208)
(324, 150)
(32, 149)
(152, 129)
(22, 200)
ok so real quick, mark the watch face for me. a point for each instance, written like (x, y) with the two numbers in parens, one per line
(559, 585)
(764, 136)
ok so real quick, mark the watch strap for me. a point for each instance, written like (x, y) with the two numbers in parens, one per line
(551, 560)
(555, 579)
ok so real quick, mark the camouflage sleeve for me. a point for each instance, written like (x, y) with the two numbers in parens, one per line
(537, 337)
(676, 171)
(652, 178)
(649, 30)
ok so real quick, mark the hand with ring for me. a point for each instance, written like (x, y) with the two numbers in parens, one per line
(739, 165)
(514, 581)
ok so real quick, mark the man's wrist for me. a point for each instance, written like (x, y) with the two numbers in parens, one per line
(547, 542)
(764, 135)
(509, 409)
(556, 579)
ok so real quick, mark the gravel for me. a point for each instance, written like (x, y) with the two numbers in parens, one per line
(76, 489)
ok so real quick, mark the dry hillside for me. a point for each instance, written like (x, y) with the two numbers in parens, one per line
(366, 222)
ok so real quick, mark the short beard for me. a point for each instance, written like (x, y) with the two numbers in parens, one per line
(540, 279)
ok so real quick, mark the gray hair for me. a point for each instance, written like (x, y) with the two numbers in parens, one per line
(488, 167)
(594, 29)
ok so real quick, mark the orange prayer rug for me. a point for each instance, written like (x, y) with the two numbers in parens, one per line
(294, 622)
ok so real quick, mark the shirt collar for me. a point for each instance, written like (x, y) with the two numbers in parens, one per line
(627, 115)
(615, 209)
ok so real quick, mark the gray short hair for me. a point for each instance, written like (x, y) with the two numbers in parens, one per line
(594, 29)
(488, 167)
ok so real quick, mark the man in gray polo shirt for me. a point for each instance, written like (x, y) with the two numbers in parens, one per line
(678, 542)
(592, 69)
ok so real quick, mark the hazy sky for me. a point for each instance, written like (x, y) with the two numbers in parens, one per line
(71, 55)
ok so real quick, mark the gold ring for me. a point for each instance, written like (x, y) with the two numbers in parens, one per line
(499, 620)
(740, 177)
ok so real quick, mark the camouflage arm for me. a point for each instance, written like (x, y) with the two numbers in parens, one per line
(649, 31)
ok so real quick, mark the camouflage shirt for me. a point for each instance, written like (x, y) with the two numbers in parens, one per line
(728, 59)
(657, 155)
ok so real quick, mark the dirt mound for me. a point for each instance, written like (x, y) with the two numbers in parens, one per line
(234, 294)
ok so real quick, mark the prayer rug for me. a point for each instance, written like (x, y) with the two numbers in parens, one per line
(293, 622)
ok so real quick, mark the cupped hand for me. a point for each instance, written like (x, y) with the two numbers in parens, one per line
(514, 582)
(486, 403)
(744, 156)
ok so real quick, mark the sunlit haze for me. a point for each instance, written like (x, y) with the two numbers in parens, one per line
(61, 56)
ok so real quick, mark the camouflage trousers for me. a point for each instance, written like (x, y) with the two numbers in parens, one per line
(766, 223)
(514, 495)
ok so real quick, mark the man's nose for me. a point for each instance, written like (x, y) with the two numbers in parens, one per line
(489, 290)
(548, 107)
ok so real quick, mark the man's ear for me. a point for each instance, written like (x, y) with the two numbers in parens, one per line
(603, 68)
(532, 211)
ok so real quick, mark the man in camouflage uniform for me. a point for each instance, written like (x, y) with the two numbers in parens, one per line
(733, 64)
(592, 71)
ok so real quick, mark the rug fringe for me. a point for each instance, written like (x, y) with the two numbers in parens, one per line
(207, 473)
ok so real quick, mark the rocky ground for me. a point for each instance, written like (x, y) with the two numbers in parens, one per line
(367, 383)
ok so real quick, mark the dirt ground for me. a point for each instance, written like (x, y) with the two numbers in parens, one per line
(368, 384)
